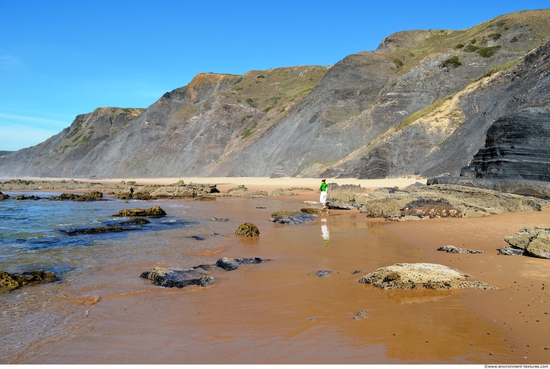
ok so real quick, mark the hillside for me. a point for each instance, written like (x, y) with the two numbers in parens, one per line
(420, 104)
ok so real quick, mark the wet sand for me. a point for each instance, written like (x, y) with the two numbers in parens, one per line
(281, 312)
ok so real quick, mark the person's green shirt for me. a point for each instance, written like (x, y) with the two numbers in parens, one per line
(324, 186)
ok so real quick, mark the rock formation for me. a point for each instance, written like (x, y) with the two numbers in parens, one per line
(529, 241)
(154, 211)
(419, 276)
(12, 281)
(248, 230)
(420, 104)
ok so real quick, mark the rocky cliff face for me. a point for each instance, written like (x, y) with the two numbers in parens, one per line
(516, 147)
(420, 104)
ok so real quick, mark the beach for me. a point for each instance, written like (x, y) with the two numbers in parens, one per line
(282, 312)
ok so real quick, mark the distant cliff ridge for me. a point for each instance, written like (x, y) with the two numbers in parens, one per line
(421, 104)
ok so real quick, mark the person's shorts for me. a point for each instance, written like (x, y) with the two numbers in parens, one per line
(323, 196)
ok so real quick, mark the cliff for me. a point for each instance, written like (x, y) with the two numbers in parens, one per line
(421, 104)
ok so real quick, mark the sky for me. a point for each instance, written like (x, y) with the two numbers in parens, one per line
(59, 59)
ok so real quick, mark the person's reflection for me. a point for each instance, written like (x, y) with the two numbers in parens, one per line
(324, 230)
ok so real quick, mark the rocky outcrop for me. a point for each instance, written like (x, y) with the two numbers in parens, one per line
(421, 276)
(90, 196)
(13, 281)
(234, 263)
(420, 104)
(467, 201)
(154, 211)
(248, 230)
(529, 241)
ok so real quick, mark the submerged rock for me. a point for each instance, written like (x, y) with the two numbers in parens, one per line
(129, 225)
(419, 276)
(291, 217)
(155, 211)
(12, 281)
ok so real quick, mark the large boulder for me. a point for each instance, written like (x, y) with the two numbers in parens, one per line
(419, 276)
(534, 241)
(90, 196)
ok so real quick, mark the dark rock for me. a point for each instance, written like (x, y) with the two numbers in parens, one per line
(24, 197)
(155, 212)
(234, 263)
(323, 273)
(4, 196)
(516, 147)
(198, 238)
(129, 225)
(247, 230)
(12, 281)
(165, 277)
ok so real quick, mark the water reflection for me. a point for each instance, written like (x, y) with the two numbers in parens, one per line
(324, 230)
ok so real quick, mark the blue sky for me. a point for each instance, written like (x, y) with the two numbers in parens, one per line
(59, 59)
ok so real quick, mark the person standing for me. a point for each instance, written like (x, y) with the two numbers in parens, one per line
(324, 194)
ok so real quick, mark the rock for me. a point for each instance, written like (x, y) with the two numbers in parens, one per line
(510, 250)
(233, 263)
(155, 211)
(315, 211)
(420, 275)
(247, 230)
(130, 225)
(214, 219)
(165, 277)
(324, 273)
(12, 281)
(469, 202)
(458, 250)
(90, 196)
(23, 197)
(291, 217)
(534, 241)
(4, 196)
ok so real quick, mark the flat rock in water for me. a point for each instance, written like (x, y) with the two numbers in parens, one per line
(419, 276)
(458, 250)
(165, 277)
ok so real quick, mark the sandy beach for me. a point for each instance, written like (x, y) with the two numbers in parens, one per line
(281, 312)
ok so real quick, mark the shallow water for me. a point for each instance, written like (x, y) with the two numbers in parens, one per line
(275, 312)
(33, 237)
